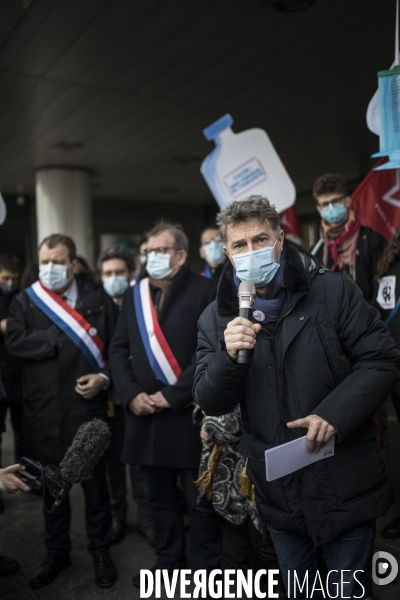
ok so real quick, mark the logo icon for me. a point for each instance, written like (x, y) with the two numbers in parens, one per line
(384, 568)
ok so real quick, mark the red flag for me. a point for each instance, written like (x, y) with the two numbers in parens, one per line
(291, 224)
(377, 201)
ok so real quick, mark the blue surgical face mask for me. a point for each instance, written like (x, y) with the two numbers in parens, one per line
(115, 286)
(334, 213)
(214, 252)
(157, 265)
(257, 266)
(54, 277)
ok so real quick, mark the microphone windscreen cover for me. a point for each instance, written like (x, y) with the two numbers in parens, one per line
(247, 288)
(89, 444)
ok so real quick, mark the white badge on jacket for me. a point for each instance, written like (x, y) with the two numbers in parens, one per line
(387, 292)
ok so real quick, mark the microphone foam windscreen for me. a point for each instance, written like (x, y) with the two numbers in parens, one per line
(247, 288)
(89, 444)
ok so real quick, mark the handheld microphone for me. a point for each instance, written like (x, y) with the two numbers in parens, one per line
(89, 444)
(246, 293)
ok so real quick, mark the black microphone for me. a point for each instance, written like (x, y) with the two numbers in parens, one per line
(89, 444)
(246, 293)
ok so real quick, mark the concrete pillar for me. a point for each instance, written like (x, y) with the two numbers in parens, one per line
(64, 205)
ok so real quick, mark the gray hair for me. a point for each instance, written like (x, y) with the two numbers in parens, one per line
(180, 237)
(241, 211)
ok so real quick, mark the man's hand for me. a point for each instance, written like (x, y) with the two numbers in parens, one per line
(240, 334)
(88, 386)
(10, 481)
(319, 431)
(3, 326)
(159, 401)
(142, 405)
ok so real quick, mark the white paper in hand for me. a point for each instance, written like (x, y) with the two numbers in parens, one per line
(290, 457)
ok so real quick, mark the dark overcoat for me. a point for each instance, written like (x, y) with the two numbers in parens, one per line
(168, 438)
(53, 411)
(329, 355)
(10, 366)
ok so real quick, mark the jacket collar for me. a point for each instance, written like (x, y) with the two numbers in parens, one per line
(300, 267)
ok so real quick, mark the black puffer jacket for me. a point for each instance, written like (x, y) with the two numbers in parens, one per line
(329, 355)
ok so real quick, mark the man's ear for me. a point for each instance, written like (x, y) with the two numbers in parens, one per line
(183, 258)
(281, 238)
(348, 201)
(202, 253)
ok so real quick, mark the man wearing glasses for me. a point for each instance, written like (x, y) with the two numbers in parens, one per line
(153, 363)
(345, 245)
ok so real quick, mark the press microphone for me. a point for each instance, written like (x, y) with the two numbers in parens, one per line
(246, 293)
(89, 444)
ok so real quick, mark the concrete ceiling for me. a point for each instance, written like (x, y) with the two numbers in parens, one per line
(136, 81)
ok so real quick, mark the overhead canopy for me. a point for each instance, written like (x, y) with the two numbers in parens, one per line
(125, 87)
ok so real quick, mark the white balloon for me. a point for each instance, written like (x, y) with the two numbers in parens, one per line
(3, 210)
(373, 114)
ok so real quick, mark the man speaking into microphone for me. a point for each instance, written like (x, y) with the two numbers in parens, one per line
(319, 362)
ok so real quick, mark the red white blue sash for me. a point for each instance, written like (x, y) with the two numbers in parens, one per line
(160, 356)
(73, 324)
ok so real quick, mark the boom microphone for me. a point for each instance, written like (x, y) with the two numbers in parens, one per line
(246, 293)
(89, 444)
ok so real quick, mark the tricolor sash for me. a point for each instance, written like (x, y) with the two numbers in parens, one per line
(73, 324)
(160, 356)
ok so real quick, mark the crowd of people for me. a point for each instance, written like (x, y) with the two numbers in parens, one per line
(151, 347)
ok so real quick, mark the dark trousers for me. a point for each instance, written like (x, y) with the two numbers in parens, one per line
(349, 554)
(205, 529)
(116, 476)
(16, 412)
(98, 519)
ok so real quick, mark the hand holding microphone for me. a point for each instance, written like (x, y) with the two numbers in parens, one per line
(240, 334)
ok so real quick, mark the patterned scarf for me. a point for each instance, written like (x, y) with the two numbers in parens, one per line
(270, 303)
(341, 241)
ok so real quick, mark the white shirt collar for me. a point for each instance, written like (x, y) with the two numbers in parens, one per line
(71, 294)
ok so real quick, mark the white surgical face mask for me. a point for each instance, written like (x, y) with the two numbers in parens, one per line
(54, 277)
(116, 286)
(158, 266)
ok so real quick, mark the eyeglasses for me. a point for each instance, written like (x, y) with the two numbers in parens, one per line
(160, 250)
(334, 201)
(216, 239)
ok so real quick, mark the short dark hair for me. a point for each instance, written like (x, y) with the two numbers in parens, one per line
(180, 237)
(241, 211)
(55, 239)
(330, 183)
(117, 252)
(10, 262)
(207, 229)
